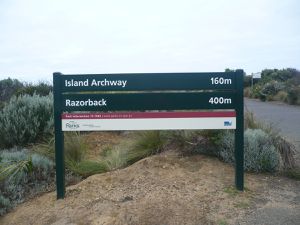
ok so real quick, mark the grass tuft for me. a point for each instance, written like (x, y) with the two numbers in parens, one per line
(231, 191)
(293, 174)
(146, 143)
(87, 168)
(116, 158)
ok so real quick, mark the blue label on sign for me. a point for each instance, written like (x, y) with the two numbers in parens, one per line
(227, 123)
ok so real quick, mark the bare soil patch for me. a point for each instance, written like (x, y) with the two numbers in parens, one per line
(163, 189)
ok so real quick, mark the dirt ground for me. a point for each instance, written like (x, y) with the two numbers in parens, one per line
(167, 189)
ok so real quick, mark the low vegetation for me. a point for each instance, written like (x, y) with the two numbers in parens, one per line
(22, 174)
(275, 85)
(26, 121)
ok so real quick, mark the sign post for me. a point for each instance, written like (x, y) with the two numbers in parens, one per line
(59, 137)
(157, 101)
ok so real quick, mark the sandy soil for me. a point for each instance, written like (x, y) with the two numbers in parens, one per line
(164, 190)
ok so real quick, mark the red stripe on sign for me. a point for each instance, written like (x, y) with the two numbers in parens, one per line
(145, 115)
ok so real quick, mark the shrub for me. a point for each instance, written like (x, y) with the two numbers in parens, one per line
(251, 122)
(145, 144)
(8, 88)
(14, 154)
(5, 204)
(87, 168)
(287, 151)
(279, 85)
(255, 91)
(281, 96)
(25, 119)
(23, 174)
(278, 75)
(14, 164)
(293, 96)
(41, 89)
(43, 167)
(116, 158)
(285, 148)
(178, 137)
(247, 81)
(75, 146)
(270, 89)
(21, 161)
(226, 147)
(247, 92)
(293, 174)
(259, 152)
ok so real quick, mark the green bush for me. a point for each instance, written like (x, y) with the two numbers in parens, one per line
(281, 96)
(26, 119)
(87, 168)
(75, 147)
(286, 149)
(14, 164)
(22, 174)
(279, 85)
(13, 155)
(5, 204)
(255, 91)
(8, 87)
(146, 143)
(270, 89)
(293, 96)
(41, 89)
(251, 122)
(116, 158)
(278, 75)
(247, 81)
(259, 152)
(247, 92)
(43, 167)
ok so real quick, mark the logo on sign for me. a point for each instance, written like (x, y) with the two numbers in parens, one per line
(72, 125)
(227, 123)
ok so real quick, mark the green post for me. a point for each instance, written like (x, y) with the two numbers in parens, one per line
(239, 132)
(59, 137)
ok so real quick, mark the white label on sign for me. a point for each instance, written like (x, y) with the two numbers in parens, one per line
(148, 121)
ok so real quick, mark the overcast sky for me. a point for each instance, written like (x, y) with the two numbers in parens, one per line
(39, 37)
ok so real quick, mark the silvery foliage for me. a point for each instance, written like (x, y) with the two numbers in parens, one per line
(259, 152)
(226, 147)
(42, 165)
(13, 155)
(14, 191)
(4, 204)
(26, 118)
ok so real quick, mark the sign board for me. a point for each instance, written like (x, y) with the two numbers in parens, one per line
(154, 101)
(148, 121)
(256, 75)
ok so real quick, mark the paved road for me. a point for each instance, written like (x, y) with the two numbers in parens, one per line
(283, 198)
(284, 117)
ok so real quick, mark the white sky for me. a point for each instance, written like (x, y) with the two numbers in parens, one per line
(39, 37)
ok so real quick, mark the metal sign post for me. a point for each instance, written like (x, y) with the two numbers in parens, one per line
(178, 97)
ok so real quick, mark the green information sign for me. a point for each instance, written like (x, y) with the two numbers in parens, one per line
(134, 93)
